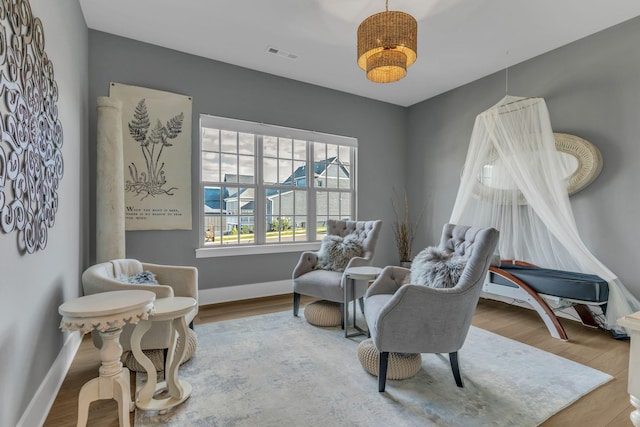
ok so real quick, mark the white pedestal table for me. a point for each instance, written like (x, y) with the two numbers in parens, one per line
(107, 312)
(173, 309)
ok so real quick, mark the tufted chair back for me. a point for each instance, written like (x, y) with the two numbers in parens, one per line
(367, 232)
(468, 243)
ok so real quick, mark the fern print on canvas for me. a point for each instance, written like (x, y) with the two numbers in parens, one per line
(152, 181)
(156, 138)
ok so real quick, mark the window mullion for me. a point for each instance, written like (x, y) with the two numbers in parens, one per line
(259, 202)
(311, 195)
(353, 184)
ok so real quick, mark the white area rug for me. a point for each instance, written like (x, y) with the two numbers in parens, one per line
(278, 370)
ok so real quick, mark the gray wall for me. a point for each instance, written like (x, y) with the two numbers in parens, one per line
(33, 286)
(592, 89)
(229, 91)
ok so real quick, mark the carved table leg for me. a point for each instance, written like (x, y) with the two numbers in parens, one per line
(174, 385)
(88, 393)
(146, 393)
(178, 390)
(113, 382)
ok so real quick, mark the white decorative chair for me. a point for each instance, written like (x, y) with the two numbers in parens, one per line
(172, 281)
(328, 284)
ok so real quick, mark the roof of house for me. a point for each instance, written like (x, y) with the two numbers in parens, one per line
(299, 176)
(212, 199)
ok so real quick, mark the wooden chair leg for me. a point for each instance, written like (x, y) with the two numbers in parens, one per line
(296, 303)
(455, 367)
(586, 317)
(382, 370)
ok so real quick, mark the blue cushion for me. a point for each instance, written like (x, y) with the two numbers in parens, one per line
(563, 284)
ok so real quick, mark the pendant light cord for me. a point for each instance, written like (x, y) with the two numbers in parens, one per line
(387, 5)
(506, 79)
(506, 82)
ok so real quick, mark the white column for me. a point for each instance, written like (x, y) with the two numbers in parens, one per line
(110, 219)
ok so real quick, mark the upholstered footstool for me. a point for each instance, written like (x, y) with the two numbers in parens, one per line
(157, 355)
(400, 366)
(323, 313)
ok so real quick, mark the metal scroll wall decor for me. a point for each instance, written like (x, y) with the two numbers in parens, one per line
(31, 165)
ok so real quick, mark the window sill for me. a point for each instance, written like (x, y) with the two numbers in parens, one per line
(255, 250)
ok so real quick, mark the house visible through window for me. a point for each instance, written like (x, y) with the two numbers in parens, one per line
(264, 184)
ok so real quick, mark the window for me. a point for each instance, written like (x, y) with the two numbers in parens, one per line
(270, 185)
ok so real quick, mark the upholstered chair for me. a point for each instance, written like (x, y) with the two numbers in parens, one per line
(328, 284)
(411, 318)
(180, 281)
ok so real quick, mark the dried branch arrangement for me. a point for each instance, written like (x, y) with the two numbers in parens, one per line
(404, 230)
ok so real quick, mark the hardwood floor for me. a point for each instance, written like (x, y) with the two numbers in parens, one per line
(607, 406)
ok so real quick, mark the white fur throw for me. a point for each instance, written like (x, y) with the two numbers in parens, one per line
(335, 252)
(436, 268)
(142, 278)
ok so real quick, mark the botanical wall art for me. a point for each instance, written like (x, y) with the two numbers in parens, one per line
(156, 129)
(31, 165)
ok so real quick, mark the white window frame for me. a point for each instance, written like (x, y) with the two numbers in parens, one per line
(261, 129)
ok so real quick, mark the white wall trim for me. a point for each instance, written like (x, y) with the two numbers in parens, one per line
(42, 401)
(240, 292)
(225, 251)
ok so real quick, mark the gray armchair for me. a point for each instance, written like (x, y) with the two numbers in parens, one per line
(409, 318)
(327, 284)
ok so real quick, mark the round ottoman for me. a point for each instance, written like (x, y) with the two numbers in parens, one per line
(157, 356)
(399, 367)
(323, 313)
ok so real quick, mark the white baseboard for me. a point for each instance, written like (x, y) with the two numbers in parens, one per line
(42, 401)
(240, 292)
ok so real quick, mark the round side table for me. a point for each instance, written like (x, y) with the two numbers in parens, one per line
(107, 312)
(353, 274)
(174, 309)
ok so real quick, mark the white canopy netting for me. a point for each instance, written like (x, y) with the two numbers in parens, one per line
(515, 180)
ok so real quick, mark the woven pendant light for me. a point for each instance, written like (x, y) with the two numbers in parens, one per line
(387, 45)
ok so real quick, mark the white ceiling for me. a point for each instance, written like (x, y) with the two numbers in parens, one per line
(459, 41)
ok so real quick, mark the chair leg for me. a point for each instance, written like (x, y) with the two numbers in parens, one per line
(455, 367)
(342, 315)
(296, 303)
(382, 370)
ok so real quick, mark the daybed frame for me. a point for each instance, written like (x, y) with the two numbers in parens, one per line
(523, 292)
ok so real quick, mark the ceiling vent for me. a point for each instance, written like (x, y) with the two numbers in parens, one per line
(282, 53)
